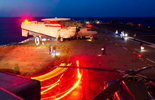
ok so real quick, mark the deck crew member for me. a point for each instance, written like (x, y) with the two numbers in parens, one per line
(134, 35)
(50, 49)
(54, 50)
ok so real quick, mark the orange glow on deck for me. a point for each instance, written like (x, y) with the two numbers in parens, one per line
(75, 93)
(65, 93)
(75, 85)
(51, 74)
(72, 88)
(49, 87)
(77, 63)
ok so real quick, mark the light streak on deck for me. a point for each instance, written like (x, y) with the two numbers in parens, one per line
(75, 85)
(51, 74)
(49, 87)
(65, 93)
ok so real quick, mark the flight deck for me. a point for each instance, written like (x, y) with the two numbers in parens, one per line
(35, 62)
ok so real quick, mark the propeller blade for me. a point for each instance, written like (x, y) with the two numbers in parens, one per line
(89, 68)
(144, 68)
(109, 91)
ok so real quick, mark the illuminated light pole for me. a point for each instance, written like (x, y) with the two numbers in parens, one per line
(141, 45)
(103, 49)
(142, 48)
(116, 32)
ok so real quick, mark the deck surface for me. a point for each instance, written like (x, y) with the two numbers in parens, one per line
(30, 60)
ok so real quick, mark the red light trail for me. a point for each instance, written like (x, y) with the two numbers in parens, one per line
(50, 86)
(45, 89)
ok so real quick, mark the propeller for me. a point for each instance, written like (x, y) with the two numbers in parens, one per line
(144, 68)
(109, 91)
(91, 68)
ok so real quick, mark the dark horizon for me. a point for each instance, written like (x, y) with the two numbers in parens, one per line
(73, 17)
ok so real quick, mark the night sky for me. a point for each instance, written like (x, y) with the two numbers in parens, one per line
(77, 8)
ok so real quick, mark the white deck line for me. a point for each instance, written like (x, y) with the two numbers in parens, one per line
(150, 60)
(151, 44)
(125, 48)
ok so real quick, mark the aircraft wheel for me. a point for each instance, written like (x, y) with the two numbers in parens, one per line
(61, 39)
(37, 40)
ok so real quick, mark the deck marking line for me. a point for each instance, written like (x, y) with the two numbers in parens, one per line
(132, 52)
(125, 48)
(150, 60)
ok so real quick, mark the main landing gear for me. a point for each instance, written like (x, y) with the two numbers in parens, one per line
(37, 40)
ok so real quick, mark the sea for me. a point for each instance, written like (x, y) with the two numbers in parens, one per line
(10, 27)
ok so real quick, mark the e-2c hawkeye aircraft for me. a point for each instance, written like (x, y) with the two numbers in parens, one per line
(53, 27)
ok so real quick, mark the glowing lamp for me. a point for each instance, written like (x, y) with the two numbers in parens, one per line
(116, 32)
(139, 25)
(142, 48)
(97, 22)
(26, 21)
(126, 34)
(77, 63)
(102, 48)
(87, 22)
(89, 25)
(139, 56)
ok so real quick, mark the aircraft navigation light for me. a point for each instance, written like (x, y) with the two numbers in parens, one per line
(26, 21)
